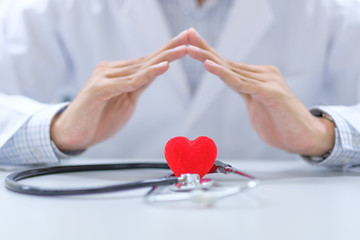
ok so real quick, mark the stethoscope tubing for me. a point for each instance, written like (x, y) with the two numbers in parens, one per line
(12, 181)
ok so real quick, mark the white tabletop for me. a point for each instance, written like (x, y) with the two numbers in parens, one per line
(294, 201)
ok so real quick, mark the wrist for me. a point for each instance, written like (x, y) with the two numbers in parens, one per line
(60, 136)
(55, 133)
(323, 139)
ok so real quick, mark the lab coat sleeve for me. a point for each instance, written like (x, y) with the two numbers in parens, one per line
(29, 47)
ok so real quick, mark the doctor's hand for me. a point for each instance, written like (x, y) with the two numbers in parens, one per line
(107, 100)
(276, 114)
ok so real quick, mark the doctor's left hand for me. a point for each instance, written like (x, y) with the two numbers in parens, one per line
(108, 98)
(277, 115)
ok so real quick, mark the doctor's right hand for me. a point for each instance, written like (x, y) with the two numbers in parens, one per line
(107, 100)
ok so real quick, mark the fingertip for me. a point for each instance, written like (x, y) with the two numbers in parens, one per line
(156, 70)
(211, 66)
(164, 63)
(182, 33)
(195, 53)
(193, 31)
(192, 49)
(176, 53)
(162, 67)
(194, 37)
(181, 49)
(182, 38)
(210, 63)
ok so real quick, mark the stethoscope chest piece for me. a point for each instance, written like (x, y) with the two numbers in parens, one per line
(189, 182)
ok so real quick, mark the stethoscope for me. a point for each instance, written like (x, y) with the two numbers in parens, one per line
(190, 186)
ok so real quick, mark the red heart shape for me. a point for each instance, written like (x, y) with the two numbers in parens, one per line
(185, 156)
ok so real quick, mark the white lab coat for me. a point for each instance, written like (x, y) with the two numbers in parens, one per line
(49, 48)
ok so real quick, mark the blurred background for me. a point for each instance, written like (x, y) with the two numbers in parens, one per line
(1, 4)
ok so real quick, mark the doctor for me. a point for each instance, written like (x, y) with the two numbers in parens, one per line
(297, 54)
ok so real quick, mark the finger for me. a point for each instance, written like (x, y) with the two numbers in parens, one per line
(249, 74)
(202, 55)
(168, 56)
(196, 40)
(140, 79)
(249, 67)
(241, 85)
(120, 63)
(122, 71)
(135, 95)
(119, 69)
(180, 39)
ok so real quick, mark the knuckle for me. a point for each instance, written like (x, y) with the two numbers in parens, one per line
(129, 84)
(100, 72)
(229, 63)
(238, 84)
(164, 54)
(98, 88)
(103, 64)
(208, 55)
(273, 69)
(142, 59)
(137, 66)
(146, 75)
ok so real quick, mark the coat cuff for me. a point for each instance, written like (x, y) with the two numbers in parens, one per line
(346, 149)
(38, 134)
